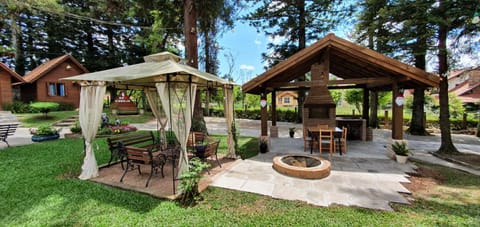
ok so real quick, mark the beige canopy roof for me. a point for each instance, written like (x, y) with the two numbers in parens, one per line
(154, 70)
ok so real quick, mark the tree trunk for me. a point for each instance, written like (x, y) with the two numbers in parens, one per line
(418, 112)
(301, 45)
(17, 42)
(373, 109)
(191, 55)
(446, 140)
(416, 125)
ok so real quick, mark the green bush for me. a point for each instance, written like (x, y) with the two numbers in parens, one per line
(76, 128)
(189, 183)
(170, 137)
(65, 106)
(45, 130)
(44, 107)
(104, 131)
(17, 107)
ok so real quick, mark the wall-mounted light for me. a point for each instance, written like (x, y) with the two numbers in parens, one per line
(68, 67)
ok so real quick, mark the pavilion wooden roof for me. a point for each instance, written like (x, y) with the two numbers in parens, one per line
(355, 65)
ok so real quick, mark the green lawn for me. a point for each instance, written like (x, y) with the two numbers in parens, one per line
(37, 119)
(39, 188)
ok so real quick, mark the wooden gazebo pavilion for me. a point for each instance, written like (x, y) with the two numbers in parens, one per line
(355, 65)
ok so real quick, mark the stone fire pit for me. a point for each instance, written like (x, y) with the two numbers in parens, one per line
(302, 166)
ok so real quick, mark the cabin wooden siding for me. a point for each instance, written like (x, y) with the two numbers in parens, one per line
(72, 91)
(292, 98)
(6, 94)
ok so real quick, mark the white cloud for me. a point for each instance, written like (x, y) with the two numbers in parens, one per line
(276, 39)
(247, 67)
(257, 42)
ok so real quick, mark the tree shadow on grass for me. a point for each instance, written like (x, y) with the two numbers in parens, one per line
(35, 186)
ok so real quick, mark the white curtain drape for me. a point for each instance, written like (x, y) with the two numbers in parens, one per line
(228, 112)
(91, 105)
(158, 110)
(180, 99)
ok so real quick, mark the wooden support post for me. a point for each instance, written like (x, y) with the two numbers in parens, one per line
(274, 128)
(274, 108)
(397, 115)
(386, 119)
(424, 120)
(373, 121)
(366, 105)
(264, 115)
(464, 121)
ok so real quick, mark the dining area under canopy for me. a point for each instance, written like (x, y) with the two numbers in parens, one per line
(170, 87)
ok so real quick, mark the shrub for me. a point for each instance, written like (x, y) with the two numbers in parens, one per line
(104, 131)
(17, 107)
(45, 130)
(64, 106)
(170, 137)
(44, 107)
(76, 128)
(189, 183)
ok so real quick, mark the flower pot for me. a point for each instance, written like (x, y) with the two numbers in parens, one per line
(401, 158)
(263, 147)
(36, 138)
(291, 134)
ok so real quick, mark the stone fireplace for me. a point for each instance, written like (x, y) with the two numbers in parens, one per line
(319, 107)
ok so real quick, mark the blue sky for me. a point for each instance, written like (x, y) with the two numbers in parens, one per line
(246, 46)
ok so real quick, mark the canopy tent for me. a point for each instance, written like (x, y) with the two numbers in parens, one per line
(174, 88)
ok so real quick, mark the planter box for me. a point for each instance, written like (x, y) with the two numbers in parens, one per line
(45, 138)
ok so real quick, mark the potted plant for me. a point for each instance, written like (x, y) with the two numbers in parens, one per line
(291, 131)
(43, 133)
(76, 131)
(263, 143)
(401, 151)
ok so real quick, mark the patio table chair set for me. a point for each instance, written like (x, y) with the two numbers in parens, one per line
(143, 150)
(325, 138)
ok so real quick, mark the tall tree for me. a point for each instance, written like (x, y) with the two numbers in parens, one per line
(295, 23)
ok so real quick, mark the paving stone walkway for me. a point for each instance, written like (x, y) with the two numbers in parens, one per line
(364, 177)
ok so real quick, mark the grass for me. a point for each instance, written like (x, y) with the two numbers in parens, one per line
(39, 187)
(37, 119)
(34, 120)
(248, 146)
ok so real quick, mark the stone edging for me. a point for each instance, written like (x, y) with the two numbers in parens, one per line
(454, 161)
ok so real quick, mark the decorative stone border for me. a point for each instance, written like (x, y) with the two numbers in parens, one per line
(316, 172)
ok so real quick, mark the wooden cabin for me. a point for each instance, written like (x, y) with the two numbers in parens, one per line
(287, 99)
(8, 80)
(44, 84)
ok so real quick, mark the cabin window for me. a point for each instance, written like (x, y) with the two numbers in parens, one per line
(279, 99)
(286, 100)
(56, 89)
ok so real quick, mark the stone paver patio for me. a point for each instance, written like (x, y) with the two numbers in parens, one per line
(364, 177)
